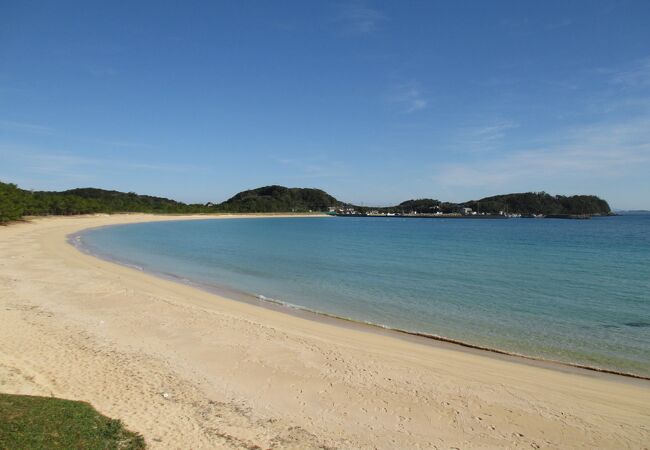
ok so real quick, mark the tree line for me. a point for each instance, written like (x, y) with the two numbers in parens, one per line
(519, 203)
(16, 203)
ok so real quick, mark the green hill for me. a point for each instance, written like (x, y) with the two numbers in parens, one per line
(115, 201)
(16, 203)
(519, 203)
(541, 203)
(279, 199)
(421, 206)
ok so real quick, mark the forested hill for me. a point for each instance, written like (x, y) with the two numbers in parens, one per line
(120, 201)
(279, 199)
(16, 203)
(522, 203)
(541, 203)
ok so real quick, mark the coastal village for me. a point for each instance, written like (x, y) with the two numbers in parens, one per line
(463, 212)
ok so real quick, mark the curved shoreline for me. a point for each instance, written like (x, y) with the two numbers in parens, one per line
(192, 369)
(320, 316)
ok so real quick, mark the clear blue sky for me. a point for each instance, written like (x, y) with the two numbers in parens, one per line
(375, 102)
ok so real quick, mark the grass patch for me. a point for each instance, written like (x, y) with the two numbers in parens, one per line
(28, 422)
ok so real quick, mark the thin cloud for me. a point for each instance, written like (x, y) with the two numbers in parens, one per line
(495, 130)
(591, 152)
(65, 164)
(485, 136)
(637, 76)
(122, 144)
(24, 127)
(408, 98)
(32, 128)
(357, 19)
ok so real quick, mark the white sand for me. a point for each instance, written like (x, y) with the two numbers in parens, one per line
(241, 376)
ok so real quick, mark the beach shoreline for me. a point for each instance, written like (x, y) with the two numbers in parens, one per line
(322, 383)
(421, 338)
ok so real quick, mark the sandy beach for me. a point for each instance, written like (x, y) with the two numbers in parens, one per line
(191, 369)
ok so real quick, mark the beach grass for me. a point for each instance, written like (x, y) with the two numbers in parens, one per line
(29, 422)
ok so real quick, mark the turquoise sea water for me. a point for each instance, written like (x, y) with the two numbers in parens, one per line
(576, 291)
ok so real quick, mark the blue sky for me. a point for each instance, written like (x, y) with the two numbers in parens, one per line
(375, 102)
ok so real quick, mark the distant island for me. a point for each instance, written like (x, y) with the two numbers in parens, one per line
(16, 203)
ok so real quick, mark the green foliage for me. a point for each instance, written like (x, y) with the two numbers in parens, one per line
(15, 203)
(421, 206)
(12, 201)
(114, 201)
(28, 422)
(540, 203)
(279, 199)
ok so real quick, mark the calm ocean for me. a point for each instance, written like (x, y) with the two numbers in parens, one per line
(576, 291)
